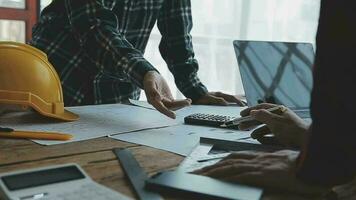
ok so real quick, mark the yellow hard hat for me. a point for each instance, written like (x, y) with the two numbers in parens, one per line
(28, 79)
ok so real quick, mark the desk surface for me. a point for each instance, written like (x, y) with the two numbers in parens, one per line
(97, 159)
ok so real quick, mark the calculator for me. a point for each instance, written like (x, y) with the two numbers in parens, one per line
(60, 182)
(208, 120)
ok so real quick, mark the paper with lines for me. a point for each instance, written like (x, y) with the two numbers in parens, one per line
(180, 139)
(95, 121)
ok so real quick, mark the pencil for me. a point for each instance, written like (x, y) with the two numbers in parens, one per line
(237, 121)
(10, 133)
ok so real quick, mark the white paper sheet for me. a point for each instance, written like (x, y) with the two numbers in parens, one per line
(190, 163)
(180, 139)
(231, 110)
(95, 121)
(142, 104)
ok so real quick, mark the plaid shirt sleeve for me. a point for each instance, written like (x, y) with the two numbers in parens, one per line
(96, 28)
(175, 23)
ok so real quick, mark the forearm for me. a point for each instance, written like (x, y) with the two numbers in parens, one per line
(187, 80)
(176, 47)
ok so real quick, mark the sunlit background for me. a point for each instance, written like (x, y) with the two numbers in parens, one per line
(216, 24)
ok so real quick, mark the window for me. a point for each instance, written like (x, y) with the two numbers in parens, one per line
(45, 3)
(218, 22)
(17, 18)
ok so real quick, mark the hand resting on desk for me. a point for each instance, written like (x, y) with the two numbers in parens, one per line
(268, 170)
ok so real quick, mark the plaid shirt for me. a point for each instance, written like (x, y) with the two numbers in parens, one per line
(97, 47)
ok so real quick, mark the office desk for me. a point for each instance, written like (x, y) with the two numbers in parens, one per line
(96, 157)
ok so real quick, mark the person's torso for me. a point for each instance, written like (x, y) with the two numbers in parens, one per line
(82, 83)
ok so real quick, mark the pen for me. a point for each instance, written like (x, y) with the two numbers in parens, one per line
(276, 110)
(11, 133)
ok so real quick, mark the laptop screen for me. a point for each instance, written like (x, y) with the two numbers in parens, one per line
(276, 72)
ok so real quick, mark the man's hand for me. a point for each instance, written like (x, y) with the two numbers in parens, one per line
(268, 170)
(159, 95)
(289, 129)
(219, 98)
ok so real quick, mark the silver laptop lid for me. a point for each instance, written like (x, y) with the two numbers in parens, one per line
(276, 72)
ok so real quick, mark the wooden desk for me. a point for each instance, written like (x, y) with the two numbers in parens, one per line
(96, 157)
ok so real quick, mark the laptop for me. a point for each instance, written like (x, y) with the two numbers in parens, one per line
(277, 72)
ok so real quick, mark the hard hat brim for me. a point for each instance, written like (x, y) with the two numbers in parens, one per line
(39, 106)
(65, 116)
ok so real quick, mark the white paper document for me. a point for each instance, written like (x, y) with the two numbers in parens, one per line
(95, 121)
(191, 162)
(142, 104)
(231, 110)
(183, 138)
(180, 139)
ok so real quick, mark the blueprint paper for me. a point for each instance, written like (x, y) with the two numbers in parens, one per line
(95, 121)
(142, 104)
(231, 110)
(180, 139)
(190, 163)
